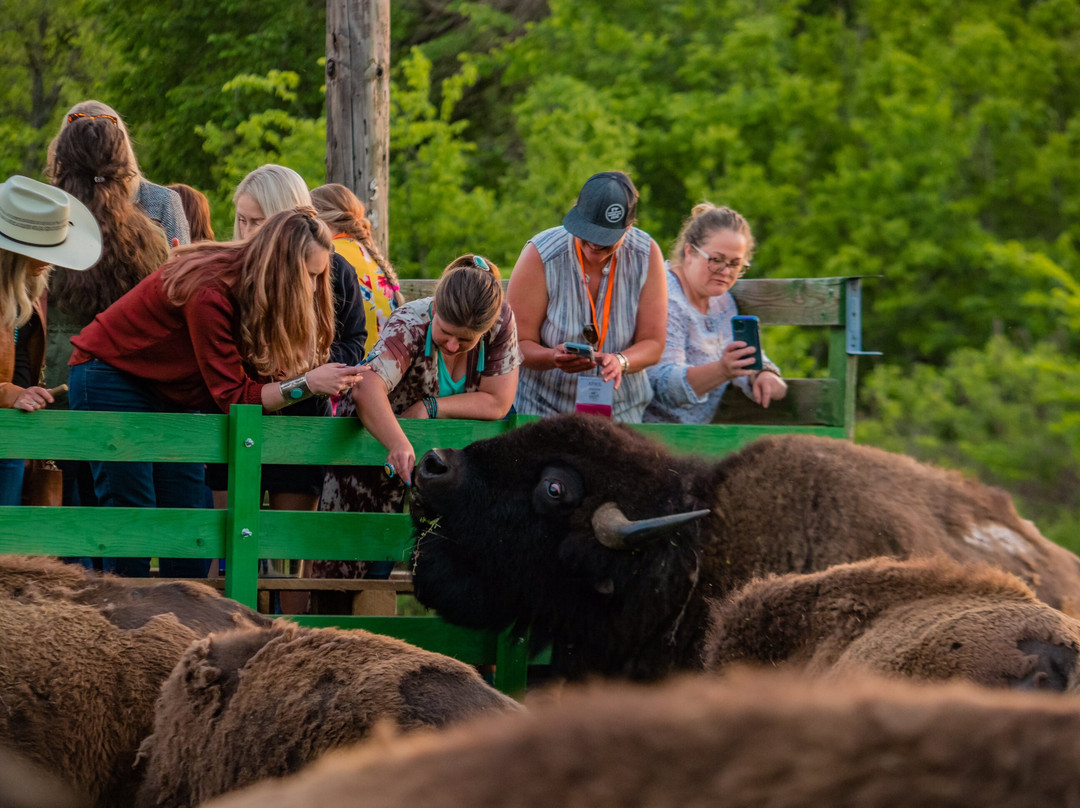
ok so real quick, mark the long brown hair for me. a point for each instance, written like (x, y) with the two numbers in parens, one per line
(469, 294)
(92, 160)
(286, 316)
(19, 290)
(343, 211)
(197, 211)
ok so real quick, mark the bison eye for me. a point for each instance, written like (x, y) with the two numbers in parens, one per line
(558, 490)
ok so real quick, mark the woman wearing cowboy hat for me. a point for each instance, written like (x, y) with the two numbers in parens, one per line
(40, 227)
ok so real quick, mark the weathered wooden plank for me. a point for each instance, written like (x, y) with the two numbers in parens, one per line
(775, 301)
(808, 402)
(792, 301)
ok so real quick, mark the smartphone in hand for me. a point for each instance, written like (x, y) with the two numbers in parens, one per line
(581, 349)
(744, 327)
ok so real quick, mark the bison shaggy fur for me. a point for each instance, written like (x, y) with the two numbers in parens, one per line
(125, 602)
(247, 705)
(931, 619)
(507, 534)
(77, 693)
(82, 657)
(756, 739)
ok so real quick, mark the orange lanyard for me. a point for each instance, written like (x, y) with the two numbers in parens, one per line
(601, 334)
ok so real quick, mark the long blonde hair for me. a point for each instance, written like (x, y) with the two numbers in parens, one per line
(274, 188)
(343, 211)
(19, 290)
(286, 316)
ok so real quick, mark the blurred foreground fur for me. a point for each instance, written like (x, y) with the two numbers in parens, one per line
(747, 740)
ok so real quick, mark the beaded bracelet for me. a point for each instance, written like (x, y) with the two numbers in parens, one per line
(431, 404)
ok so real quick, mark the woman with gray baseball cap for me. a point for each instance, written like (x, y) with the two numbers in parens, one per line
(596, 281)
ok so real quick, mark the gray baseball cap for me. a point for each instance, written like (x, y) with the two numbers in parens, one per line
(605, 209)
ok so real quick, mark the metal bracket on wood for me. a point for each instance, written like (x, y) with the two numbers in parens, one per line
(853, 325)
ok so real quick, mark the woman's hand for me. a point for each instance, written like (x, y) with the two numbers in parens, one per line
(571, 362)
(334, 378)
(33, 398)
(401, 459)
(768, 387)
(737, 355)
(610, 368)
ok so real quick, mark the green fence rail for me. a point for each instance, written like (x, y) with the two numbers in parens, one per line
(242, 533)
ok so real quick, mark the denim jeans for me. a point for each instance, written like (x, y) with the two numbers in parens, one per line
(98, 386)
(11, 481)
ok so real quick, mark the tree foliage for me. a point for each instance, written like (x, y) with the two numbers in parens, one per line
(934, 146)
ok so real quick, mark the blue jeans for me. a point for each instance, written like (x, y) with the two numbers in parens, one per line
(11, 481)
(98, 386)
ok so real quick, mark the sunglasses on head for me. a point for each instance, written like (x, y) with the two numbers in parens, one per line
(75, 115)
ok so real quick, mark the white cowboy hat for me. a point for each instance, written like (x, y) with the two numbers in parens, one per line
(43, 222)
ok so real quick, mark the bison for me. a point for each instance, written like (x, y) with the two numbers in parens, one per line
(763, 739)
(77, 693)
(125, 602)
(610, 548)
(82, 657)
(927, 618)
(243, 706)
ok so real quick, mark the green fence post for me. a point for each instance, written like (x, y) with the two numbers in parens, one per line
(511, 662)
(245, 490)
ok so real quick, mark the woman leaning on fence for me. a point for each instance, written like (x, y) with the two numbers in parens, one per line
(454, 355)
(238, 323)
(40, 226)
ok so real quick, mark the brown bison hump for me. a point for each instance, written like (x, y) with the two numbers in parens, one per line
(989, 641)
(797, 503)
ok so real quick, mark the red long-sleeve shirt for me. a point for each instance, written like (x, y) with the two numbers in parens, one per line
(187, 353)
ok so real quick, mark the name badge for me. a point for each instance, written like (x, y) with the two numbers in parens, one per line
(594, 395)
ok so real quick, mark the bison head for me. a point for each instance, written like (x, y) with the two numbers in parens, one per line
(581, 530)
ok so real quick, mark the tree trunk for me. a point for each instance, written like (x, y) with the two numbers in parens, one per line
(358, 104)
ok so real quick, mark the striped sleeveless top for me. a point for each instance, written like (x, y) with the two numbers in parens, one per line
(551, 392)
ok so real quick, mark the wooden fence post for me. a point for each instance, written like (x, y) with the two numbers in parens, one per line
(358, 104)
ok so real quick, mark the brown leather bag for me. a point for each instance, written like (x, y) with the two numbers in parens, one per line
(43, 484)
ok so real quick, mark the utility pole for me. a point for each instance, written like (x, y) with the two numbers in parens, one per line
(358, 105)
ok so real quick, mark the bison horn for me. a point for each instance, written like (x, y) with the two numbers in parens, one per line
(615, 531)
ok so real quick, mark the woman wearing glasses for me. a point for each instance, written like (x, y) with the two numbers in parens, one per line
(701, 358)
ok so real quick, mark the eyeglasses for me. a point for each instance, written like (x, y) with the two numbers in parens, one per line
(73, 116)
(720, 263)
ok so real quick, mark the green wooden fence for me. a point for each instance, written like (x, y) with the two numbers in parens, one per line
(242, 533)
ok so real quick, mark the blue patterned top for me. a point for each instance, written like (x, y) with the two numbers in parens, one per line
(693, 339)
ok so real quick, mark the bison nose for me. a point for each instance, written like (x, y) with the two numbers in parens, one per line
(434, 467)
(432, 464)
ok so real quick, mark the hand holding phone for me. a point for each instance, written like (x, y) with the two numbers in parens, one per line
(580, 349)
(744, 327)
